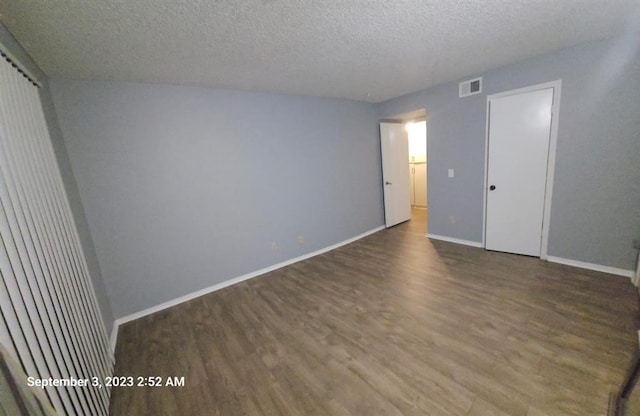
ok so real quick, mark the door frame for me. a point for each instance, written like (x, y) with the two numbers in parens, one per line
(551, 156)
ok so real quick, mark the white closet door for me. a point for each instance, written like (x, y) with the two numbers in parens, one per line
(519, 132)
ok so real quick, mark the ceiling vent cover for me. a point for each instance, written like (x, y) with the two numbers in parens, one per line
(470, 87)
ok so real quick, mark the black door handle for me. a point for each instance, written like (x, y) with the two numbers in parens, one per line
(492, 187)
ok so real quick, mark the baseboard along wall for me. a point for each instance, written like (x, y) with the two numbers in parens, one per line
(455, 240)
(120, 321)
(592, 266)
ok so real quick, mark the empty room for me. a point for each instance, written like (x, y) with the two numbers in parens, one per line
(282, 207)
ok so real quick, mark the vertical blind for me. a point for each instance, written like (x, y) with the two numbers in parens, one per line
(50, 320)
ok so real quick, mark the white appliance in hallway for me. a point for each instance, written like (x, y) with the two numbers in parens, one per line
(418, 172)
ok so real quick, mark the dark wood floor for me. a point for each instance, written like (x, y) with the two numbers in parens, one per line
(393, 324)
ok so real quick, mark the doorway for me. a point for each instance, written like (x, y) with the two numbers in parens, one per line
(520, 159)
(404, 160)
(417, 132)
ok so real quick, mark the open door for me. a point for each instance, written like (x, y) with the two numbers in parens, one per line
(394, 144)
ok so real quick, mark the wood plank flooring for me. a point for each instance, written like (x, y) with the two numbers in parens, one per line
(393, 324)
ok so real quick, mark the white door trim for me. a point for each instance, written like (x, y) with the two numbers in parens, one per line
(551, 160)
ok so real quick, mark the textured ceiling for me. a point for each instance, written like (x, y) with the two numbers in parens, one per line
(364, 50)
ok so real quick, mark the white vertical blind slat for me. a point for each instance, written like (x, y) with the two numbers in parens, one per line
(5, 334)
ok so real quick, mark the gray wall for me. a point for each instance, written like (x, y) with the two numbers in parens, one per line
(186, 187)
(67, 175)
(596, 197)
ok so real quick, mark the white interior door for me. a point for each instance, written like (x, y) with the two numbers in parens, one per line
(519, 131)
(394, 144)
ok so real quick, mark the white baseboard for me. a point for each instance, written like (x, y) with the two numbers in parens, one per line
(113, 339)
(575, 263)
(226, 283)
(592, 266)
(455, 240)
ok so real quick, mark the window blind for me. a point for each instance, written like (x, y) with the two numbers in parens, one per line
(50, 319)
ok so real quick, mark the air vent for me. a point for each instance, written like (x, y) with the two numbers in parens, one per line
(470, 87)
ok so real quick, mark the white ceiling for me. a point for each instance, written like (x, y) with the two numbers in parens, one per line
(369, 50)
